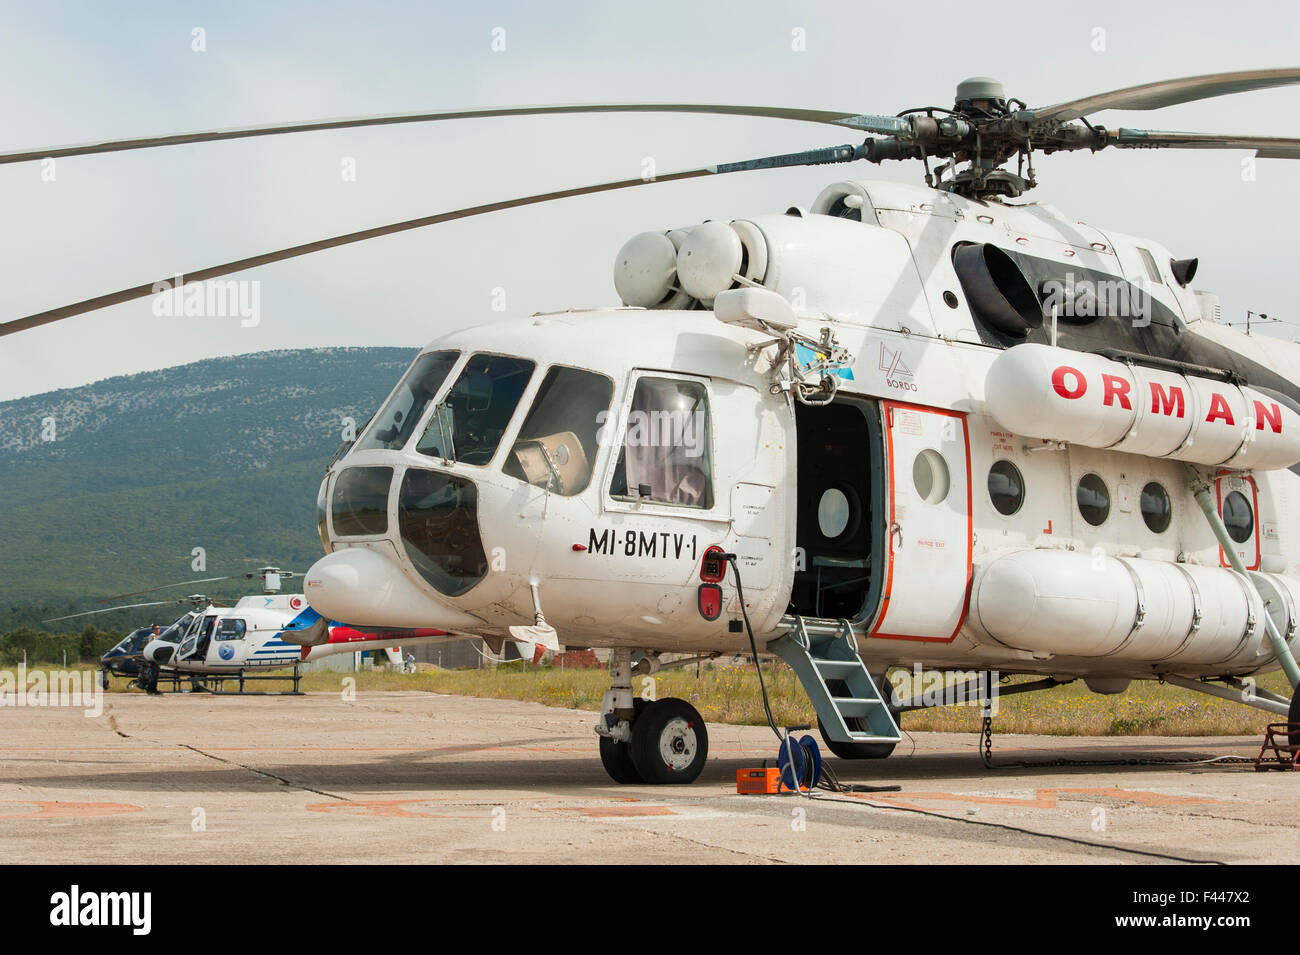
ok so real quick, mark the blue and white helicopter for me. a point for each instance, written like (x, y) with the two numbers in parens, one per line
(260, 633)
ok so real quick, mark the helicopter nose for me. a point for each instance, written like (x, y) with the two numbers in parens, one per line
(366, 587)
(159, 652)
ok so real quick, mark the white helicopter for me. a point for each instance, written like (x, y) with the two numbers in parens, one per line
(906, 425)
(259, 634)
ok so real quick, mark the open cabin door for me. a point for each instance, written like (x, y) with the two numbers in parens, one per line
(839, 510)
(928, 545)
(194, 648)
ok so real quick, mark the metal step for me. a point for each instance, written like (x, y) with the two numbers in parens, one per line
(835, 669)
(819, 652)
(854, 706)
(815, 627)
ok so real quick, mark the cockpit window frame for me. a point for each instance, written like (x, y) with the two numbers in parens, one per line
(239, 627)
(178, 628)
(375, 421)
(378, 464)
(494, 463)
(528, 401)
(718, 510)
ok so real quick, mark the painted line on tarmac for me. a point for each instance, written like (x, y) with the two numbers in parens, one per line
(66, 810)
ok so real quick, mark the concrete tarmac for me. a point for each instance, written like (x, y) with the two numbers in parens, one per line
(422, 778)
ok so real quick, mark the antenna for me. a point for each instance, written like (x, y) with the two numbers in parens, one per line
(1260, 317)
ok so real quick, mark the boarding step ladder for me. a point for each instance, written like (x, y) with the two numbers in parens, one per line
(824, 655)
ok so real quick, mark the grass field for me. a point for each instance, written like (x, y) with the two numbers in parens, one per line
(731, 695)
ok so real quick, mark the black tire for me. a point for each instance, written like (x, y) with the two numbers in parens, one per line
(617, 760)
(1293, 716)
(855, 750)
(615, 756)
(669, 743)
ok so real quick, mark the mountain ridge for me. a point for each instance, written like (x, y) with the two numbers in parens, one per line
(108, 487)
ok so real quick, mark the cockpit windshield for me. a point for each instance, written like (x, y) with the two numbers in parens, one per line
(132, 644)
(397, 419)
(469, 423)
(177, 630)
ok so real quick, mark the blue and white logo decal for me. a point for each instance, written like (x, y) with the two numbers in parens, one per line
(807, 356)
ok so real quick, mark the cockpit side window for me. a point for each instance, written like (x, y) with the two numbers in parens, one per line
(1149, 263)
(469, 423)
(665, 454)
(558, 441)
(397, 419)
(230, 630)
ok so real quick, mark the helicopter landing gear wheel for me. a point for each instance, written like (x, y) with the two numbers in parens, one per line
(616, 757)
(103, 679)
(669, 742)
(1293, 717)
(617, 760)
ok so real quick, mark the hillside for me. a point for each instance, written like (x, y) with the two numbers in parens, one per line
(224, 454)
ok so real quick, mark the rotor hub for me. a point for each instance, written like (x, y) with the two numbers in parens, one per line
(980, 90)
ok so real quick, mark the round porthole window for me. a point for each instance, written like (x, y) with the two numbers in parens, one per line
(833, 513)
(930, 475)
(1094, 499)
(1006, 487)
(1156, 509)
(1238, 517)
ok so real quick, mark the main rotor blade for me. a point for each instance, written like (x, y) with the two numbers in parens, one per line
(1268, 147)
(851, 120)
(179, 583)
(87, 613)
(814, 157)
(1163, 93)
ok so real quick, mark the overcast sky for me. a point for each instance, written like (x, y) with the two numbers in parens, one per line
(75, 72)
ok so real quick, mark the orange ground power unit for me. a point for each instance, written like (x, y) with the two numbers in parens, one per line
(758, 782)
(761, 782)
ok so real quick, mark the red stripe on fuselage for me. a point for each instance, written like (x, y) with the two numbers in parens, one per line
(351, 635)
